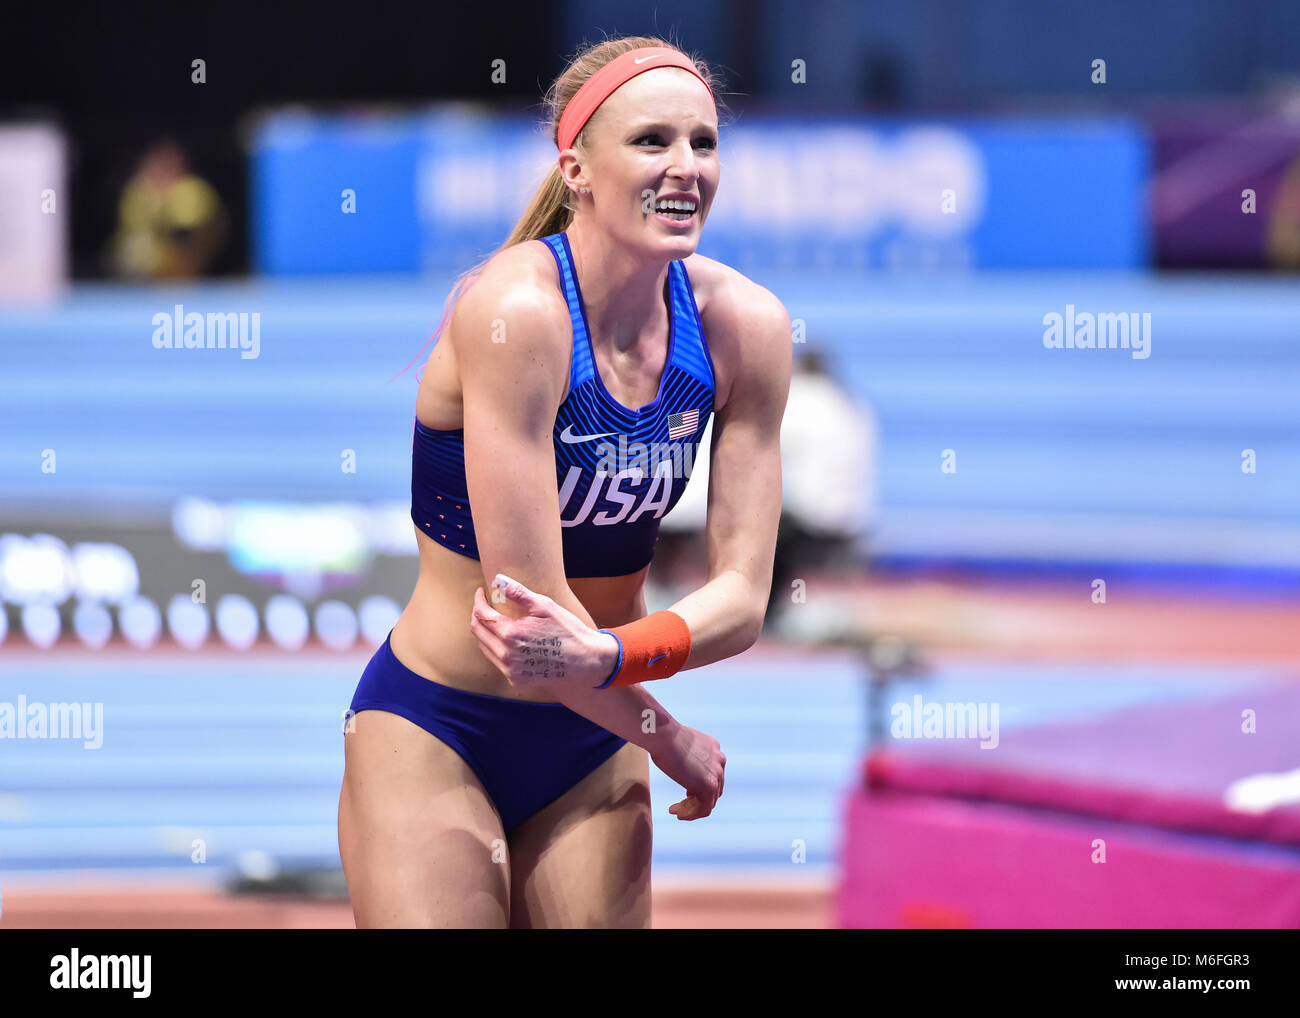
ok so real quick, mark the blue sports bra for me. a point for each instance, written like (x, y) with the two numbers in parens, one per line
(617, 470)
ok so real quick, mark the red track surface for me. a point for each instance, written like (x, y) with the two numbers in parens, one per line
(163, 908)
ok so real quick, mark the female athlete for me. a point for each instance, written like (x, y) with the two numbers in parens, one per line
(497, 757)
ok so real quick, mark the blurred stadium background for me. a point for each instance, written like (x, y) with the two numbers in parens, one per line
(1096, 551)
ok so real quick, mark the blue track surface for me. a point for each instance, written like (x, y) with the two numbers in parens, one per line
(1060, 453)
(246, 753)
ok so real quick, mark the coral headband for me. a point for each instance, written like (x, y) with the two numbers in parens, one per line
(596, 89)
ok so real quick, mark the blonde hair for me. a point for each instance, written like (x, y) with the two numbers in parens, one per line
(551, 209)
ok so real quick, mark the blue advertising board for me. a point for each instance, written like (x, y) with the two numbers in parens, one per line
(435, 191)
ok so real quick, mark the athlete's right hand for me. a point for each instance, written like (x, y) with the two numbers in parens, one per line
(696, 762)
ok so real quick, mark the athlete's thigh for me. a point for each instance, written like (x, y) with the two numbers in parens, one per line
(420, 841)
(583, 861)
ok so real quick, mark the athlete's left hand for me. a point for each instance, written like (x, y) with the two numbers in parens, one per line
(548, 647)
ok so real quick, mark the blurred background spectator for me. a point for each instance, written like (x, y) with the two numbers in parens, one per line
(170, 221)
(828, 462)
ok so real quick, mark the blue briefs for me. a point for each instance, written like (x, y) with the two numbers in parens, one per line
(526, 754)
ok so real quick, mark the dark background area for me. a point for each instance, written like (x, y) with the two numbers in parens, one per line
(116, 77)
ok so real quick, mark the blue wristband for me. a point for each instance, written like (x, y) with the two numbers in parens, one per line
(618, 664)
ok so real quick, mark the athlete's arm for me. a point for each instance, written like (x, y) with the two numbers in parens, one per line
(511, 344)
(725, 616)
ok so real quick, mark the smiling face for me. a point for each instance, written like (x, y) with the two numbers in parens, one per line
(654, 138)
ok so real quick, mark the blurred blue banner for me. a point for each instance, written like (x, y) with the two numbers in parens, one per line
(436, 191)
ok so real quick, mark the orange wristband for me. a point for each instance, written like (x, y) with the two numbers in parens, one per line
(654, 647)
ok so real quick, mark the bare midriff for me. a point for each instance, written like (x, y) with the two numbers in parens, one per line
(432, 637)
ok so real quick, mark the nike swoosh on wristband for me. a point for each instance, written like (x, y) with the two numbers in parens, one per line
(569, 438)
(659, 658)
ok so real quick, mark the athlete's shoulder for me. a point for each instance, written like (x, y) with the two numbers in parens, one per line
(730, 299)
(520, 284)
(747, 327)
(522, 272)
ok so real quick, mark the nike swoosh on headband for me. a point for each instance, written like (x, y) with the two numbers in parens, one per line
(569, 438)
(642, 60)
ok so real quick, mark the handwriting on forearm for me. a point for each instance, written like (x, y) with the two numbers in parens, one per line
(543, 658)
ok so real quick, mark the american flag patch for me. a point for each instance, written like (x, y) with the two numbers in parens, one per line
(681, 425)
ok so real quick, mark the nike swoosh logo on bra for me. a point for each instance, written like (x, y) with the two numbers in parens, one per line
(659, 658)
(642, 60)
(569, 438)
